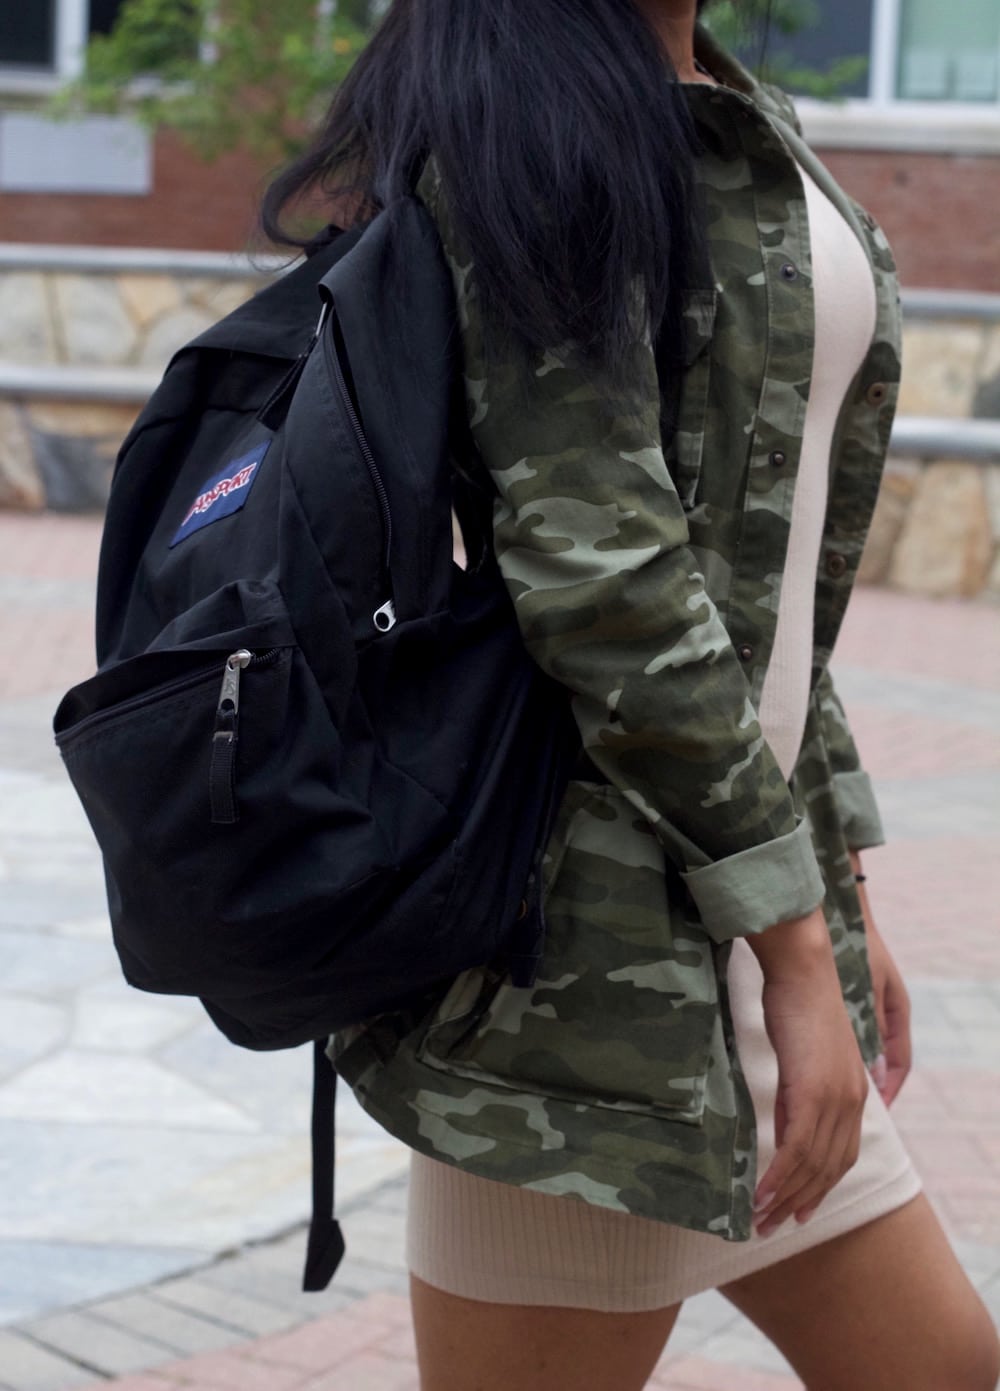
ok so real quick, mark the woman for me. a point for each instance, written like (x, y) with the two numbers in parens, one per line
(680, 346)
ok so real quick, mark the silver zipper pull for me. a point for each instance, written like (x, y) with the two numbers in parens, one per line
(229, 696)
(385, 617)
(324, 314)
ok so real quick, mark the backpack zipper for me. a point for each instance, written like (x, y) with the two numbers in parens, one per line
(384, 616)
(99, 717)
(222, 768)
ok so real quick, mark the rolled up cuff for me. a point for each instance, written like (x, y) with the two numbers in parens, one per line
(858, 810)
(754, 889)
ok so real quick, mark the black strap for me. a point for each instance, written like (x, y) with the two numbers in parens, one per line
(222, 772)
(326, 1241)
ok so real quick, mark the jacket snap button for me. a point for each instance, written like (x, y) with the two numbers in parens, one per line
(745, 652)
(836, 565)
(789, 272)
(778, 458)
(876, 393)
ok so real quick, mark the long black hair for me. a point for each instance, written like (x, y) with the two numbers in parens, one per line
(566, 154)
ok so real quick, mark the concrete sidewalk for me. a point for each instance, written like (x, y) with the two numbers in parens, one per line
(135, 1142)
(145, 1165)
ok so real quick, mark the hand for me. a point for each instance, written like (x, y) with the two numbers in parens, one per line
(892, 1008)
(822, 1086)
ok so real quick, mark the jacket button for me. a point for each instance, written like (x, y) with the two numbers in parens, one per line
(789, 272)
(745, 653)
(876, 393)
(778, 458)
(836, 565)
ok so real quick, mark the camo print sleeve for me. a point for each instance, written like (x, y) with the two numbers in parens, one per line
(592, 542)
(852, 788)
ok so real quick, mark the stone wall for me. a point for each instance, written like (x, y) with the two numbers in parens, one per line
(57, 455)
(936, 529)
(951, 368)
(84, 337)
(97, 318)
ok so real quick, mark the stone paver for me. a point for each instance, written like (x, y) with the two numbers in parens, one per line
(27, 1366)
(178, 1144)
(240, 1313)
(145, 1165)
(84, 1338)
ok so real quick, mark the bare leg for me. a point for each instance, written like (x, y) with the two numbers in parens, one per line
(468, 1345)
(882, 1308)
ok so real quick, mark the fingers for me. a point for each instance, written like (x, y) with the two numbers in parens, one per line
(844, 1160)
(880, 1071)
(812, 1158)
(898, 1061)
(811, 1202)
(786, 1172)
(880, 1013)
(802, 1180)
(898, 1046)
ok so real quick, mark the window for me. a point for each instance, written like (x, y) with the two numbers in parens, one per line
(949, 52)
(27, 34)
(919, 50)
(103, 14)
(837, 30)
(47, 36)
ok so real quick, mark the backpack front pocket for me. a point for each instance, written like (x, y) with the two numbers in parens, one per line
(210, 771)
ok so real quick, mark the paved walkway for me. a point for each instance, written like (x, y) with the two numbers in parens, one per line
(135, 1142)
(145, 1165)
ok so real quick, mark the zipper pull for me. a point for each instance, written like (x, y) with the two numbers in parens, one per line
(274, 410)
(324, 314)
(229, 696)
(222, 768)
(385, 617)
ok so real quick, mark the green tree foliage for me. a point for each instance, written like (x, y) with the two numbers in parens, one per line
(224, 73)
(754, 28)
(256, 73)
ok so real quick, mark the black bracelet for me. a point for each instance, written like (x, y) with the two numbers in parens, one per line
(861, 879)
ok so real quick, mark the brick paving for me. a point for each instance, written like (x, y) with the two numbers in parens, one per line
(921, 681)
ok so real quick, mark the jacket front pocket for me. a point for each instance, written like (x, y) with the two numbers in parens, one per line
(623, 1011)
(685, 437)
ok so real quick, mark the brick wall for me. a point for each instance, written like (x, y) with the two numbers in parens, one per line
(193, 206)
(939, 211)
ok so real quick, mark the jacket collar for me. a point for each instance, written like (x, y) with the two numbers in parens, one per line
(780, 112)
(721, 64)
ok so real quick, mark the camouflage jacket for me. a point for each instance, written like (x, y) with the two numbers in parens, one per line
(645, 572)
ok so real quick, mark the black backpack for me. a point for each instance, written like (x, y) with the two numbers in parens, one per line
(318, 760)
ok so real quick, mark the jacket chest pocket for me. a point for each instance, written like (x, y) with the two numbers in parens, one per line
(624, 1011)
(686, 406)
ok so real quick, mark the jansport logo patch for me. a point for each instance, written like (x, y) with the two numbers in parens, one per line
(224, 493)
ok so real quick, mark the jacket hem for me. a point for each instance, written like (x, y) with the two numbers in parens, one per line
(690, 1204)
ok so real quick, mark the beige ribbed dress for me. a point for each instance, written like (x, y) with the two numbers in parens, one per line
(492, 1241)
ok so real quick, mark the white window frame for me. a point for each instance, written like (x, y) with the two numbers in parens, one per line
(71, 31)
(887, 22)
(67, 59)
(883, 121)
